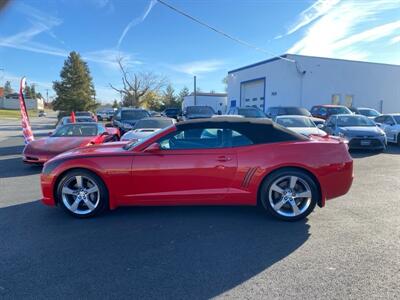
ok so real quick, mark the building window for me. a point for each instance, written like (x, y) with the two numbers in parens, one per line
(247, 100)
(262, 98)
(254, 99)
(336, 99)
(349, 100)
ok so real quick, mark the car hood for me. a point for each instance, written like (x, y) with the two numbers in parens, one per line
(55, 145)
(95, 150)
(138, 133)
(361, 130)
(307, 130)
(198, 116)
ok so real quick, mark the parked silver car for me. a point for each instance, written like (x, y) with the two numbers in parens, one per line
(390, 124)
(358, 130)
(300, 124)
(146, 127)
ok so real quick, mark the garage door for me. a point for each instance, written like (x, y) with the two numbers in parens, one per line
(253, 93)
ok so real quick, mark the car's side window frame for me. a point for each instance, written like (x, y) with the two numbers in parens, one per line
(225, 144)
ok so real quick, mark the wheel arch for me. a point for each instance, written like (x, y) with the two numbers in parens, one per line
(320, 202)
(64, 172)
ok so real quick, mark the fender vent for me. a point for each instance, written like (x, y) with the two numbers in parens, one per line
(249, 175)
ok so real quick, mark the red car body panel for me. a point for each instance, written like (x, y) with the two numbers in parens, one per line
(41, 150)
(224, 176)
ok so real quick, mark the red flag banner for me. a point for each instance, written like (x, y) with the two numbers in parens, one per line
(73, 119)
(26, 127)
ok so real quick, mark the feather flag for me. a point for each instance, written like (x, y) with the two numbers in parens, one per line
(26, 127)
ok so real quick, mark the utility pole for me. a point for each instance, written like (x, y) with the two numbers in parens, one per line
(47, 96)
(195, 90)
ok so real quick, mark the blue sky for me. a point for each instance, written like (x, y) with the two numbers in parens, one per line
(36, 36)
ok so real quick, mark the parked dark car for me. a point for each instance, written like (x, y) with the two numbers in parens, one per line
(105, 115)
(358, 130)
(274, 111)
(86, 114)
(368, 112)
(327, 110)
(197, 112)
(247, 112)
(172, 112)
(125, 118)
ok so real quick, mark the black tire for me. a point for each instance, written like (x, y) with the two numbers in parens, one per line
(102, 190)
(398, 139)
(265, 189)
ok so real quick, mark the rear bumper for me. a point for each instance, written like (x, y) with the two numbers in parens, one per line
(337, 180)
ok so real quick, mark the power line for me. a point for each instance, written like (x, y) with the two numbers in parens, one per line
(244, 43)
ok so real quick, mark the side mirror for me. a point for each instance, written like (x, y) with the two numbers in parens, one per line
(153, 148)
(105, 133)
(50, 133)
(320, 126)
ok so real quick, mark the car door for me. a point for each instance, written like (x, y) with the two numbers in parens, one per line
(193, 166)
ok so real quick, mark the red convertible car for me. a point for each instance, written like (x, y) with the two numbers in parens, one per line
(218, 161)
(67, 137)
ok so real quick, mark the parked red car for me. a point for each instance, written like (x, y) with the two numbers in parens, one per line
(327, 110)
(218, 161)
(67, 137)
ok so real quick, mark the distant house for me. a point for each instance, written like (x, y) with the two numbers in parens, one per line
(218, 101)
(299, 80)
(11, 101)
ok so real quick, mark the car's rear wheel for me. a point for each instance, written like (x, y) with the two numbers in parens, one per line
(289, 194)
(398, 139)
(82, 193)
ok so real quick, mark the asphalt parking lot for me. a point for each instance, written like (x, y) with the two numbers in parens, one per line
(348, 250)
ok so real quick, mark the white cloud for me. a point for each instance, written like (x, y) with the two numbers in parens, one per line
(315, 11)
(198, 67)
(136, 21)
(345, 30)
(395, 40)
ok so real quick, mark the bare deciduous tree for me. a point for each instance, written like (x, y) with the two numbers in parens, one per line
(135, 86)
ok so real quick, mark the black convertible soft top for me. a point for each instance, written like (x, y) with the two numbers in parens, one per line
(260, 131)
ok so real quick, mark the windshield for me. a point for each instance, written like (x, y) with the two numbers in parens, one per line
(172, 110)
(251, 113)
(339, 111)
(83, 114)
(203, 110)
(134, 114)
(296, 111)
(397, 119)
(368, 112)
(152, 123)
(350, 121)
(80, 120)
(76, 130)
(295, 122)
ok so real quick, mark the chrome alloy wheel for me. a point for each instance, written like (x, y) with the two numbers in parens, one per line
(290, 196)
(80, 195)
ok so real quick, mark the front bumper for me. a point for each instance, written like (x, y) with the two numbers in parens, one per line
(370, 143)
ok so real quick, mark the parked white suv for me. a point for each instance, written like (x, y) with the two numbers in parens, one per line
(390, 123)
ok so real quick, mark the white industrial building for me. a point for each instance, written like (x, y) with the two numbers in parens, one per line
(12, 102)
(218, 101)
(306, 81)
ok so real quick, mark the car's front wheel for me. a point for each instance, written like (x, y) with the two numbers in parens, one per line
(289, 194)
(82, 194)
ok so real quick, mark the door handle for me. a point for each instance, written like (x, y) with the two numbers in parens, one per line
(223, 158)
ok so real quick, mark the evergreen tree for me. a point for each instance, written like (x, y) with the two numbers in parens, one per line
(115, 104)
(7, 88)
(169, 97)
(184, 92)
(75, 91)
